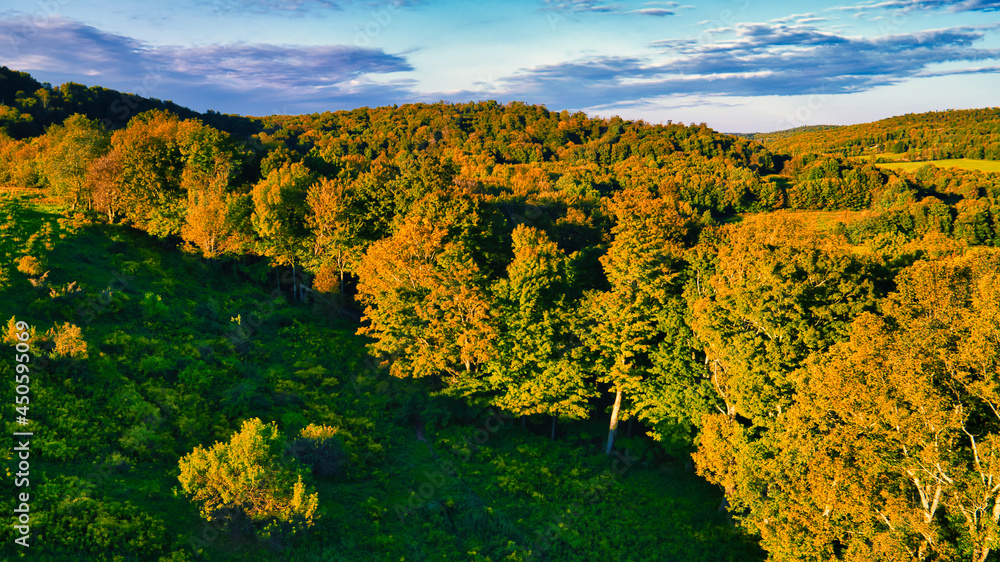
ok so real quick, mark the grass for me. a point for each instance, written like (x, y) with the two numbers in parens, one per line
(960, 163)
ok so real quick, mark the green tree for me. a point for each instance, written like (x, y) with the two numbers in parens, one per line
(642, 266)
(151, 168)
(70, 148)
(162, 159)
(279, 216)
(534, 369)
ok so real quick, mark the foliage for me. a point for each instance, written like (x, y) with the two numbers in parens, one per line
(319, 447)
(971, 133)
(70, 149)
(427, 302)
(245, 477)
(30, 265)
(888, 450)
(535, 368)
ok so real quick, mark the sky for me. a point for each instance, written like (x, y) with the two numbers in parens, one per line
(735, 65)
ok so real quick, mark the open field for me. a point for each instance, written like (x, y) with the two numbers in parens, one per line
(961, 163)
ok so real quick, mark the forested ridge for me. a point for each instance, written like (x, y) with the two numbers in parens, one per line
(970, 133)
(480, 331)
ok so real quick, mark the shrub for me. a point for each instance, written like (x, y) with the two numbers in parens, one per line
(319, 446)
(67, 341)
(247, 478)
(30, 266)
(153, 307)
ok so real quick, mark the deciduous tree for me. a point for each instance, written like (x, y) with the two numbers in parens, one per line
(535, 368)
(248, 477)
(642, 266)
(425, 290)
(279, 217)
(70, 149)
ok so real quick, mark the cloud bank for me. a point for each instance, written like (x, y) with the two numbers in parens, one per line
(276, 75)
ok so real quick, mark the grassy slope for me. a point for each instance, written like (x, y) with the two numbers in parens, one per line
(163, 375)
(961, 163)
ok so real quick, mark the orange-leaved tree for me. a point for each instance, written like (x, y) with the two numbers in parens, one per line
(891, 449)
(426, 294)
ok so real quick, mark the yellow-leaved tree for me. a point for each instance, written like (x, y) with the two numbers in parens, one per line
(246, 480)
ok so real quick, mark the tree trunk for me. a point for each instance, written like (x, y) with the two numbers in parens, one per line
(724, 504)
(295, 284)
(614, 421)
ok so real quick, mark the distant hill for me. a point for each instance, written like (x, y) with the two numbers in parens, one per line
(28, 106)
(972, 133)
(768, 138)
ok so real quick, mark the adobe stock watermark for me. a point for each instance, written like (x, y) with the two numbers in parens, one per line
(596, 490)
(125, 106)
(804, 113)
(379, 21)
(30, 25)
(244, 326)
(532, 213)
(94, 306)
(432, 481)
(726, 18)
(555, 19)
(222, 8)
(887, 25)
(486, 86)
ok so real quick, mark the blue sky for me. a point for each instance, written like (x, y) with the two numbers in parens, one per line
(737, 65)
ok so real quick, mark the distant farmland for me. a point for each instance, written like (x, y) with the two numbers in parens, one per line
(963, 163)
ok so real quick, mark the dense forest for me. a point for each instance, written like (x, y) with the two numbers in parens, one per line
(495, 332)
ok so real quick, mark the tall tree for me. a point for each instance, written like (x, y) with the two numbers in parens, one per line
(279, 217)
(535, 369)
(891, 449)
(211, 221)
(104, 176)
(425, 290)
(151, 168)
(774, 295)
(162, 158)
(335, 231)
(642, 266)
(70, 148)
